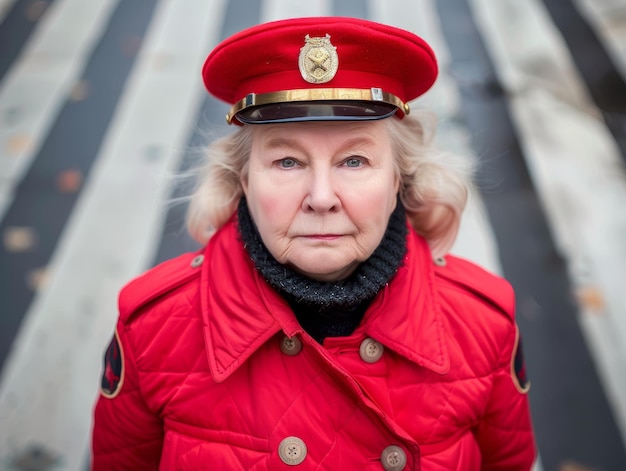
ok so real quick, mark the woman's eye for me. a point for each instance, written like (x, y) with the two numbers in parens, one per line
(353, 162)
(287, 163)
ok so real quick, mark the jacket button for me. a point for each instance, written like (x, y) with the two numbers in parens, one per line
(371, 351)
(290, 345)
(440, 261)
(393, 458)
(197, 261)
(292, 451)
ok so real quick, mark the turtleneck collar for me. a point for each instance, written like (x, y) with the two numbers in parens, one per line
(329, 308)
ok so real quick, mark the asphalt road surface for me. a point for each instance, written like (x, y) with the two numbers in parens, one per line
(102, 110)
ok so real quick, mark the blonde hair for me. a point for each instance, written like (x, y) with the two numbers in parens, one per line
(434, 185)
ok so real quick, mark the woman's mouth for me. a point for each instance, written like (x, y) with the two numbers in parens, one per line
(323, 236)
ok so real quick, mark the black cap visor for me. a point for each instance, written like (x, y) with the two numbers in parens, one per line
(316, 111)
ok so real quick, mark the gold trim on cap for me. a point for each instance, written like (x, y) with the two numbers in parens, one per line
(317, 94)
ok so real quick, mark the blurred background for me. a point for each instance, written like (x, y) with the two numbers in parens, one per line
(101, 106)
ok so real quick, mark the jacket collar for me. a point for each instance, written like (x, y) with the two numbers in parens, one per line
(241, 312)
(406, 316)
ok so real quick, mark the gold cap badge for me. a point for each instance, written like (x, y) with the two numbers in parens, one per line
(318, 61)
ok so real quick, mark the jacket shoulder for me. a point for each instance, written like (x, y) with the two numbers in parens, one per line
(477, 282)
(158, 281)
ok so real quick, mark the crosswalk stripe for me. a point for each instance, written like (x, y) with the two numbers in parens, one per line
(5, 6)
(47, 387)
(476, 240)
(19, 23)
(526, 248)
(605, 83)
(568, 149)
(39, 82)
(209, 123)
(278, 9)
(120, 225)
(48, 191)
(608, 19)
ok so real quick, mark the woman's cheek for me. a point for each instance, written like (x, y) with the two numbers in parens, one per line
(275, 202)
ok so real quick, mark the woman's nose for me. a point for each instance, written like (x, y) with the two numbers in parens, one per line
(322, 193)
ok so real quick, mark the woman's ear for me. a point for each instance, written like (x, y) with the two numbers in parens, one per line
(397, 182)
(243, 180)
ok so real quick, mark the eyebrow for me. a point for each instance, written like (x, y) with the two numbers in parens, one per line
(278, 142)
(282, 142)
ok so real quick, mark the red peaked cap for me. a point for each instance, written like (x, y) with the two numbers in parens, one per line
(349, 69)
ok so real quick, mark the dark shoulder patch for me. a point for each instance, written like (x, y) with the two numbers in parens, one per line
(518, 366)
(113, 371)
(478, 281)
(158, 281)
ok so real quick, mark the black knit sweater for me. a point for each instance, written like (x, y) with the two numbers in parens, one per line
(329, 309)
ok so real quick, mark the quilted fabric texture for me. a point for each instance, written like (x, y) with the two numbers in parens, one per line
(206, 385)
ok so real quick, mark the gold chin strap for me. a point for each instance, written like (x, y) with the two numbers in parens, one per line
(317, 94)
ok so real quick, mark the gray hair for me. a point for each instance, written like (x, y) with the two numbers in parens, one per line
(434, 184)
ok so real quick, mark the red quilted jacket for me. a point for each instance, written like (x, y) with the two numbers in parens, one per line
(214, 373)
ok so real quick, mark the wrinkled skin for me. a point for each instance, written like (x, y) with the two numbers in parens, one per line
(321, 194)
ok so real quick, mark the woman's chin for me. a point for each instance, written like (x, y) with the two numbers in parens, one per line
(325, 270)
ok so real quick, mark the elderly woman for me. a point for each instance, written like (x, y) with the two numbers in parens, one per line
(322, 325)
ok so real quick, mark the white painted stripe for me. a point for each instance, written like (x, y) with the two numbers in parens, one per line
(608, 19)
(476, 239)
(577, 171)
(51, 378)
(5, 6)
(280, 9)
(37, 85)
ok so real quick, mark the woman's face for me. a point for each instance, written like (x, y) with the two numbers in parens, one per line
(321, 194)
